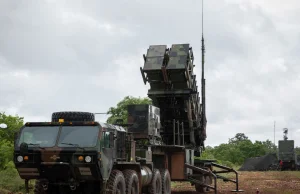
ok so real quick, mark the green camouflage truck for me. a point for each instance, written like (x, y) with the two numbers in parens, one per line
(75, 154)
(286, 154)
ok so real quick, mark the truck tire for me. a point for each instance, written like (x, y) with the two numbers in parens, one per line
(200, 188)
(73, 116)
(166, 181)
(131, 181)
(155, 185)
(116, 183)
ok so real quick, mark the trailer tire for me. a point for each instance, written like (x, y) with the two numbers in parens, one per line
(131, 181)
(73, 116)
(155, 185)
(200, 188)
(166, 181)
(116, 182)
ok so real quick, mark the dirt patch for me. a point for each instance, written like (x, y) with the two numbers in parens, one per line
(266, 182)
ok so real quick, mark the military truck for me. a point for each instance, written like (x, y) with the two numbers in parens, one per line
(75, 154)
(286, 152)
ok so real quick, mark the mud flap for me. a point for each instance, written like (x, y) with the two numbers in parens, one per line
(107, 162)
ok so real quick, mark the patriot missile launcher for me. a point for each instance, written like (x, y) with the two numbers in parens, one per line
(174, 89)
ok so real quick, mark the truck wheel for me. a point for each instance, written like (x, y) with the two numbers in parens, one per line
(166, 181)
(116, 183)
(73, 116)
(155, 185)
(132, 182)
(200, 188)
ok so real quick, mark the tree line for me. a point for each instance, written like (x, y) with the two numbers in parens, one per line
(233, 153)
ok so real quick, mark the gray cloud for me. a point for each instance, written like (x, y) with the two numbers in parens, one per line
(73, 55)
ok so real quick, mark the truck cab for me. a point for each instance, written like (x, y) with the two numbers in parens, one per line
(65, 155)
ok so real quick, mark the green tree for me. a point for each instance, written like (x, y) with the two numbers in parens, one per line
(238, 149)
(14, 123)
(269, 146)
(237, 138)
(120, 111)
(297, 150)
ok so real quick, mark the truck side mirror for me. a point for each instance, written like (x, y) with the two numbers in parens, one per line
(24, 148)
(16, 135)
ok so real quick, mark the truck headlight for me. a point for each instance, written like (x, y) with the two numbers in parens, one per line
(20, 158)
(88, 159)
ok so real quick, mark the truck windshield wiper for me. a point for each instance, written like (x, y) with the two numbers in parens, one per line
(35, 144)
(72, 144)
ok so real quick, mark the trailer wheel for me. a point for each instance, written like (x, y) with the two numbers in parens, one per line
(132, 182)
(200, 188)
(116, 183)
(155, 185)
(166, 181)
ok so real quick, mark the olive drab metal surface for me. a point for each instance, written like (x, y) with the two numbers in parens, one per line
(144, 120)
(173, 88)
(286, 150)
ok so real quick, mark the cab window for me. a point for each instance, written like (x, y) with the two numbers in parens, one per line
(105, 139)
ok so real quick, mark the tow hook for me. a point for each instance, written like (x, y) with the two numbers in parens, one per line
(45, 186)
(73, 184)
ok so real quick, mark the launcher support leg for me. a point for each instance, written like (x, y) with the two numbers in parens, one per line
(178, 133)
(174, 143)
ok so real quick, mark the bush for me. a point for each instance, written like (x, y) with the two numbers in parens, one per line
(226, 163)
(10, 180)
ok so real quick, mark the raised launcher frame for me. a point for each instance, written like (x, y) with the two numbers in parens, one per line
(173, 88)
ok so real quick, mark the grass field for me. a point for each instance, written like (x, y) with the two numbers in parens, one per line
(272, 182)
(287, 182)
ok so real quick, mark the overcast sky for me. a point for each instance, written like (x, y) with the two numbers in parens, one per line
(85, 55)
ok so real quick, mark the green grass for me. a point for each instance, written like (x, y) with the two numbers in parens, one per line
(10, 181)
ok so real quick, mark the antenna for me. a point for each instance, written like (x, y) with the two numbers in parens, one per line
(274, 132)
(202, 18)
(202, 47)
(203, 113)
(285, 131)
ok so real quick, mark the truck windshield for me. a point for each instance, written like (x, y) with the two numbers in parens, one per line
(43, 136)
(82, 136)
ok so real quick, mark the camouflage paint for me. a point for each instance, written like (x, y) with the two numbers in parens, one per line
(155, 57)
(173, 88)
(145, 120)
(60, 162)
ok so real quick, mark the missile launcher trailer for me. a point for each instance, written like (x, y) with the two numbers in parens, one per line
(173, 88)
(75, 154)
